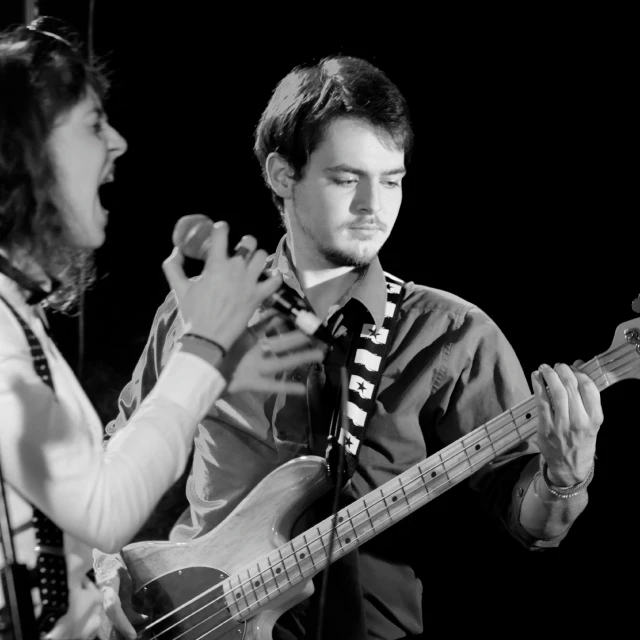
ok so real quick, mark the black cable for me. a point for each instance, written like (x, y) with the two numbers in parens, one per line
(344, 386)
(90, 30)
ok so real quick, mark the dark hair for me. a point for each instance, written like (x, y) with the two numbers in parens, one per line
(43, 75)
(309, 98)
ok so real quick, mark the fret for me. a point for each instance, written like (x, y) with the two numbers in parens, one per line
(404, 495)
(299, 556)
(240, 596)
(324, 549)
(309, 553)
(349, 537)
(599, 376)
(386, 498)
(396, 499)
(284, 566)
(442, 464)
(457, 456)
(368, 518)
(506, 440)
(291, 557)
(274, 576)
(524, 419)
(259, 585)
(466, 454)
(499, 424)
(253, 583)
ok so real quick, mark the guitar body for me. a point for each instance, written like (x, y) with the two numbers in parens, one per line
(167, 576)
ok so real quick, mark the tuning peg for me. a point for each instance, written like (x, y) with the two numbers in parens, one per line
(635, 305)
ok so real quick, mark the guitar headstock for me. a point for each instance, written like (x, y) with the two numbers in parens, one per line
(622, 360)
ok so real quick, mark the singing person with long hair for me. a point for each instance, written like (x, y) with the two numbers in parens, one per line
(56, 149)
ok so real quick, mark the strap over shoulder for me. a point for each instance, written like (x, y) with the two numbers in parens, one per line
(365, 365)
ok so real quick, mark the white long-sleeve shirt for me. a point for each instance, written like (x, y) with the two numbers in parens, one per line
(51, 453)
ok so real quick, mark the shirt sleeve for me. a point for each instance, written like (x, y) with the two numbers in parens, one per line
(100, 497)
(481, 378)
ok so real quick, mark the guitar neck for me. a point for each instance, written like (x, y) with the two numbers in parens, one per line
(308, 554)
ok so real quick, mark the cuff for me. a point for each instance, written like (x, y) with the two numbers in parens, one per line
(516, 529)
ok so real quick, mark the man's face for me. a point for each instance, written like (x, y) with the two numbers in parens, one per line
(344, 208)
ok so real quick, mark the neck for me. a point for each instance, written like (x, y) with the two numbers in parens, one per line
(322, 282)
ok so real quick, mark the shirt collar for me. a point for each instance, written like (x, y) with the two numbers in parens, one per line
(370, 289)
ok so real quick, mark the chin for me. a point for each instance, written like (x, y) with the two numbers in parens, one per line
(344, 257)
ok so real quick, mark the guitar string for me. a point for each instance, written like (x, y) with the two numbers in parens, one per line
(351, 518)
(588, 367)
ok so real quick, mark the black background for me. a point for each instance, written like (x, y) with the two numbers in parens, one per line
(519, 199)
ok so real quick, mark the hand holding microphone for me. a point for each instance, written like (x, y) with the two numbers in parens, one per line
(219, 304)
(192, 235)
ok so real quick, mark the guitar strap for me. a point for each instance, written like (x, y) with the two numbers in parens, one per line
(365, 364)
(51, 566)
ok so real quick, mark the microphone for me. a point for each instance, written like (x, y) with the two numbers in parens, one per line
(191, 235)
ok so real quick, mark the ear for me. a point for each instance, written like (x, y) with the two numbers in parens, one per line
(280, 175)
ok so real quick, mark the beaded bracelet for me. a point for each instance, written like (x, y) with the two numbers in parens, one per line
(567, 492)
(211, 342)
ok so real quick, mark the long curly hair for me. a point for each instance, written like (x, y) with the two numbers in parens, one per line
(43, 75)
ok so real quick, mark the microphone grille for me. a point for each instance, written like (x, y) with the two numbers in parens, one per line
(191, 233)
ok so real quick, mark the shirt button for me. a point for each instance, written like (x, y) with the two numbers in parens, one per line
(520, 492)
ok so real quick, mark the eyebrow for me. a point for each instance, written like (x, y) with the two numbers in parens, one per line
(96, 110)
(345, 168)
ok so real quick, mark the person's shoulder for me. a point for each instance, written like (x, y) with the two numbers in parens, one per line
(420, 299)
(441, 310)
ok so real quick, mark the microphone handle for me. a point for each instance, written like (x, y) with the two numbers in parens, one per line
(288, 303)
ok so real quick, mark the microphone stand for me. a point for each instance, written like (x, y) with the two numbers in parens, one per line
(21, 623)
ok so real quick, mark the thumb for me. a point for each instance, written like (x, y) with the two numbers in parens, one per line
(114, 611)
(174, 273)
(265, 288)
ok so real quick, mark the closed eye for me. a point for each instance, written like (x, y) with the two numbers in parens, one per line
(343, 182)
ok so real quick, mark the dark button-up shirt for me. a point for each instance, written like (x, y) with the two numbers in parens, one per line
(449, 370)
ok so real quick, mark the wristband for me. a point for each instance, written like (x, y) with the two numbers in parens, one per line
(195, 336)
(567, 492)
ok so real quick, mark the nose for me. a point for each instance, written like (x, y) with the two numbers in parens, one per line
(368, 197)
(117, 144)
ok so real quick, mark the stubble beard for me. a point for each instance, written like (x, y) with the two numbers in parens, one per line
(334, 257)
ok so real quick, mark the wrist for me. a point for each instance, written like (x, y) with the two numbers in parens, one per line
(563, 491)
(560, 476)
(208, 350)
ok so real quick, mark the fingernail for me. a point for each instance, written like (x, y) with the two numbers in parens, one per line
(543, 367)
(219, 224)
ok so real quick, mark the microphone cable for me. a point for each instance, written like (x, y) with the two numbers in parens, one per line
(344, 387)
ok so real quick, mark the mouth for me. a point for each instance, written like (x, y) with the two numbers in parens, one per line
(103, 190)
(366, 227)
(109, 176)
